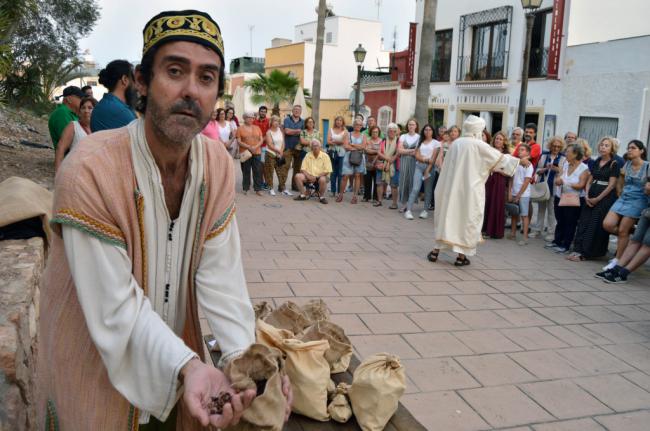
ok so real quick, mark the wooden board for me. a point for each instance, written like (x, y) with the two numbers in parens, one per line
(402, 420)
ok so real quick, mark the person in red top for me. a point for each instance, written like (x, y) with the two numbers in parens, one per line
(530, 131)
(262, 121)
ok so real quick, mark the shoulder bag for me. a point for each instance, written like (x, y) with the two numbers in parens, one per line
(356, 157)
(569, 200)
(539, 191)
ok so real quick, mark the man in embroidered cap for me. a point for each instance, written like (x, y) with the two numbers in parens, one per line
(460, 193)
(145, 236)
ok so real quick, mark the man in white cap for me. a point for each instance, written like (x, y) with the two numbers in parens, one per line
(460, 193)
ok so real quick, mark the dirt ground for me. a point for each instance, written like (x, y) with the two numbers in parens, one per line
(19, 132)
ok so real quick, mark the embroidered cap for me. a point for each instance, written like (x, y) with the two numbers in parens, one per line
(185, 25)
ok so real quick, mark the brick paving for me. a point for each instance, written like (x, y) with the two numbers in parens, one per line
(522, 339)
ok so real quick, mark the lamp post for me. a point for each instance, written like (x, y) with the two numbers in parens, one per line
(529, 7)
(359, 56)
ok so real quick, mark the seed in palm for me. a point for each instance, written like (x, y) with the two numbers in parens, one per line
(217, 403)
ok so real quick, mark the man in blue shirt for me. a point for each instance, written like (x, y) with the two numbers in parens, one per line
(116, 107)
(292, 127)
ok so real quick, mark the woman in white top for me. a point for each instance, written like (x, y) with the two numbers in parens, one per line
(230, 118)
(225, 132)
(337, 139)
(569, 197)
(406, 148)
(75, 131)
(423, 160)
(274, 149)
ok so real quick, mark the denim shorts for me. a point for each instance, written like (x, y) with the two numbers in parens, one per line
(348, 169)
(642, 231)
(524, 204)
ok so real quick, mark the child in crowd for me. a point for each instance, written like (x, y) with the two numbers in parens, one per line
(519, 192)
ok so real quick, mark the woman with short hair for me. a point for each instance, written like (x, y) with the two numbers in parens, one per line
(592, 240)
(369, 180)
(627, 209)
(354, 162)
(569, 197)
(308, 134)
(75, 131)
(406, 148)
(337, 139)
(274, 150)
(550, 164)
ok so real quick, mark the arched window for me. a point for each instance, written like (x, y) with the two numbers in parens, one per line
(385, 116)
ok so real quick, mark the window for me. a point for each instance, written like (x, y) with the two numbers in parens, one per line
(385, 117)
(540, 44)
(328, 37)
(442, 56)
(594, 128)
(488, 50)
(484, 45)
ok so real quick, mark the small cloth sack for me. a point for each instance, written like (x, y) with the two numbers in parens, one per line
(262, 310)
(377, 385)
(288, 316)
(339, 409)
(316, 310)
(306, 366)
(260, 368)
(340, 351)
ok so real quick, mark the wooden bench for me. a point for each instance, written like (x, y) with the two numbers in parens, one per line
(402, 420)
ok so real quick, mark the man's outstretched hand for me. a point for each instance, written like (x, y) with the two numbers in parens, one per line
(202, 382)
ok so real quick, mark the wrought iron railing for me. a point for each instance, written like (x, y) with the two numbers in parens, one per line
(483, 67)
(440, 70)
(538, 66)
(373, 77)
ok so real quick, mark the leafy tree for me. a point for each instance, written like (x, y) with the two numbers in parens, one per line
(274, 89)
(43, 40)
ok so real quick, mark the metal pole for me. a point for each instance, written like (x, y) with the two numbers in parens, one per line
(521, 116)
(357, 93)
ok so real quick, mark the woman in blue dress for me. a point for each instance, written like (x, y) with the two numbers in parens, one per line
(627, 209)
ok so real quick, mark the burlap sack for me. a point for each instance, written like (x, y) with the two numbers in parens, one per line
(339, 409)
(377, 385)
(262, 310)
(316, 310)
(288, 316)
(306, 366)
(331, 389)
(340, 351)
(260, 368)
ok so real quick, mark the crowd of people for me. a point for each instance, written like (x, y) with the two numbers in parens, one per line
(559, 192)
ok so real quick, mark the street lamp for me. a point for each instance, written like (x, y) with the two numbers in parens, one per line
(359, 56)
(529, 7)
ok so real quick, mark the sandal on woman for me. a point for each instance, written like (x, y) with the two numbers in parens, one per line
(392, 207)
(461, 261)
(354, 200)
(376, 204)
(339, 198)
(433, 256)
(576, 257)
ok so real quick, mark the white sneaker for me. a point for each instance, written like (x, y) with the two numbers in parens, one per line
(287, 193)
(549, 238)
(612, 263)
(409, 215)
(424, 214)
(272, 192)
(533, 234)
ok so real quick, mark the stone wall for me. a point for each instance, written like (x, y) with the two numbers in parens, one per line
(20, 273)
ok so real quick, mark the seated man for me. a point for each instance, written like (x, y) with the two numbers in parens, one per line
(315, 169)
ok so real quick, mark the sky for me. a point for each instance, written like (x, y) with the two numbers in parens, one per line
(118, 33)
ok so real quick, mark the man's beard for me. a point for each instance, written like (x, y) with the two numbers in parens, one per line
(527, 138)
(131, 96)
(173, 126)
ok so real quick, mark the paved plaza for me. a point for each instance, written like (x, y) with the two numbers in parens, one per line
(521, 339)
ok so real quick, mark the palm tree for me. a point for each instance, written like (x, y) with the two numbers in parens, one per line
(274, 88)
(318, 61)
(425, 62)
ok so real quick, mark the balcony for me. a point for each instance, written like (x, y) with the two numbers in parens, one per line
(492, 67)
(440, 70)
(538, 66)
(373, 77)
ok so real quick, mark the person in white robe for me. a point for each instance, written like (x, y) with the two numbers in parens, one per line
(460, 192)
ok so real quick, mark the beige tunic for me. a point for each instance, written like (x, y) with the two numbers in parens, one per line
(460, 193)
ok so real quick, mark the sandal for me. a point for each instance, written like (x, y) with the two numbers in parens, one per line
(433, 256)
(354, 200)
(376, 204)
(392, 207)
(576, 258)
(461, 261)
(339, 198)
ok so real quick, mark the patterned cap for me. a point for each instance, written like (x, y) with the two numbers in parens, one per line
(186, 25)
